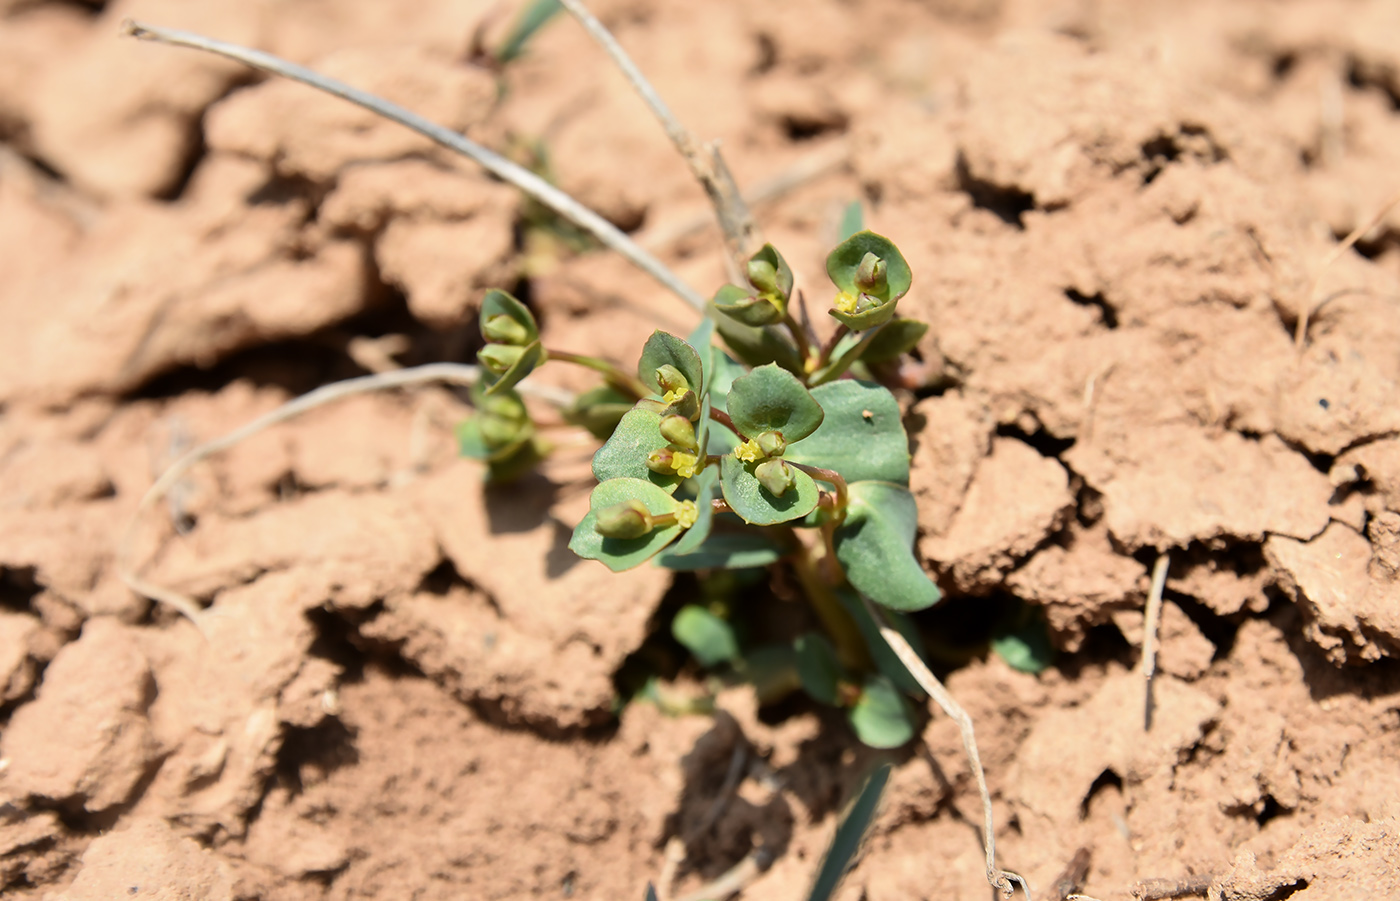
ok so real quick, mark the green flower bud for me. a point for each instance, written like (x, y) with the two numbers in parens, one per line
(775, 475)
(671, 380)
(629, 519)
(498, 432)
(501, 329)
(679, 431)
(498, 358)
(662, 461)
(870, 276)
(763, 276)
(771, 443)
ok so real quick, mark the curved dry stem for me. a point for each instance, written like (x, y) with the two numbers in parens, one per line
(705, 162)
(999, 879)
(608, 234)
(1151, 622)
(1300, 333)
(449, 373)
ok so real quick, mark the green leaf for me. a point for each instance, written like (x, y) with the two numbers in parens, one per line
(702, 339)
(758, 346)
(651, 889)
(624, 456)
(532, 357)
(771, 671)
(852, 220)
(881, 718)
(725, 550)
(499, 303)
(746, 306)
(707, 637)
(850, 834)
(861, 436)
(818, 667)
(599, 410)
(706, 490)
(768, 257)
(1026, 647)
(899, 336)
(843, 262)
(531, 20)
(771, 399)
(886, 660)
(752, 502)
(619, 554)
(521, 459)
(663, 349)
(875, 544)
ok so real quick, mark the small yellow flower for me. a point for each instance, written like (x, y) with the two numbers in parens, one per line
(686, 514)
(749, 451)
(845, 302)
(671, 397)
(684, 464)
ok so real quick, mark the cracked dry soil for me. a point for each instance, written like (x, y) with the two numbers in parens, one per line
(1115, 214)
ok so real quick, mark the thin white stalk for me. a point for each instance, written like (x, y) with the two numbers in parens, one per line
(999, 879)
(704, 161)
(449, 373)
(497, 165)
(1152, 621)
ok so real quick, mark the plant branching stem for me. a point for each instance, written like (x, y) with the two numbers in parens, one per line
(618, 378)
(832, 478)
(723, 419)
(541, 190)
(999, 879)
(839, 626)
(705, 162)
(799, 336)
(450, 373)
(825, 356)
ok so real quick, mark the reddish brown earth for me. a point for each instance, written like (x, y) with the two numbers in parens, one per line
(405, 689)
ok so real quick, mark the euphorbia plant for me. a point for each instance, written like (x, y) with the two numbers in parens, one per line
(766, 451)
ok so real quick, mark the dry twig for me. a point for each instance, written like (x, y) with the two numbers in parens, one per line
(705, 161)
(1313, 305)
(999, 879)
(450, 373)
(1152, 620)
(608, 234)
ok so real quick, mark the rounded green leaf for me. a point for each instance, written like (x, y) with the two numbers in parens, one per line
(843, 263)
(818, 667)
(665, 349)
(899, 336)
(746, 306)
(624, 456)
(702, 339)
(619, 554)
(861, 436)
(752, 502)
(758, 346)
(881, 718)
(599, 410)
(499, 303)
(771, 399)
(532, 356)
(875, 545)
(724, 550)
(1026, 647)
(708, 638)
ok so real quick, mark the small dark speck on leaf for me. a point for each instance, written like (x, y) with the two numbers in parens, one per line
(1322, 402)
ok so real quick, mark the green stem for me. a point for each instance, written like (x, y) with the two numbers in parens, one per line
(799, 335)
(723, 419)
(832, 478)
(844, 362)
(841, 331)
(618, 378)
(851, 649)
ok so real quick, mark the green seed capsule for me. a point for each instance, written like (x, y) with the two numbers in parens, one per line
(678, 430)
(671, 380)
(764, 277)
(870, 276)
(629, 519)
(505, 330)
(774, 475)
(771, 443)
(662, 461)
(498, 358)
